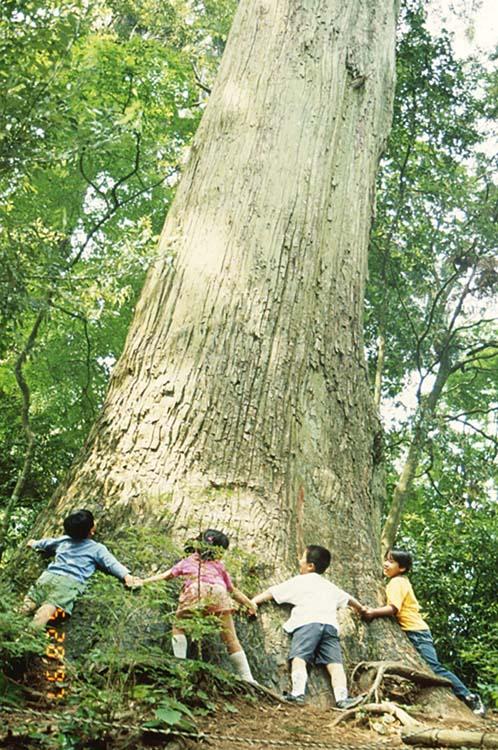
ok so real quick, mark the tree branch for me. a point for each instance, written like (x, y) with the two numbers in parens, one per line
(476, 324)
(479, 431)
(110, 213)
(432, 311)
(89, 181)
(26, 423)
(433, 484)
(86, 387)
(198, 80)
(133, 171)
(449, 417)
(471, 355)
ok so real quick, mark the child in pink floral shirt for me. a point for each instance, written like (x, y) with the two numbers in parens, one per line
(207, 587)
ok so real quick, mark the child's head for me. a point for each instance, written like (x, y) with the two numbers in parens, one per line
(315, 559)
(209, 544)
(397, 562)
(79, 524)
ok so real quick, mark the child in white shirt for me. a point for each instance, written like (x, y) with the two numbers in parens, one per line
(313, 624)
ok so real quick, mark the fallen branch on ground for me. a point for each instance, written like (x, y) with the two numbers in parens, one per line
(449, 738)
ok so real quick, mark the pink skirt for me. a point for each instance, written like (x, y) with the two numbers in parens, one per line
(212, 598)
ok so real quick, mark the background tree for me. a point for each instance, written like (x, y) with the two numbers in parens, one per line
(433, 250)
(431, 337)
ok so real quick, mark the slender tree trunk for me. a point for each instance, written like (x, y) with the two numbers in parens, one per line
(379, 369)
(403, 488)
(26, 423)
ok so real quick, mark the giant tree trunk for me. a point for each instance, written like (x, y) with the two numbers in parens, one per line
(243, 376)
(243, 384)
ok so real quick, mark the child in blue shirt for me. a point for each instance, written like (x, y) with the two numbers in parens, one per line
(77, 557)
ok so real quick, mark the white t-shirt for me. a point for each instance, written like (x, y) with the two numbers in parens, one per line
(314, 598)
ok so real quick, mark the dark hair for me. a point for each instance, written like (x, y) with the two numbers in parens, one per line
(205, 544)
(78, 525)
(318, 556)
(404, 559)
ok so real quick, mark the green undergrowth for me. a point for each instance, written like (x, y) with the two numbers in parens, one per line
(119, 666)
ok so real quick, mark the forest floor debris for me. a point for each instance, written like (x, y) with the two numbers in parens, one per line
(247, 721)
(260, 724)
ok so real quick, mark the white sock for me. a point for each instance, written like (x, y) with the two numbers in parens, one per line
(340, 694)
(239, 661)
(179, 643)
(299, 677)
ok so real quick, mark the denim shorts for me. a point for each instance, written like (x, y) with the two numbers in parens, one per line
(316, 643)
(61, 591)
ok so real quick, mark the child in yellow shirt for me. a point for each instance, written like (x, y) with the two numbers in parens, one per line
(402, 604)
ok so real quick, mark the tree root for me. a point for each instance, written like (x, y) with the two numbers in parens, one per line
(416, 733)
(449, 738)
(255, 688)
(383, 668)
(387, 707)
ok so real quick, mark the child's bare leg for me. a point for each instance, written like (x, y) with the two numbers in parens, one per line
(28, 606)
(228, 633)
(338, 680)
(299, 676)
(43, 614)
(179, 642)
(235, 651)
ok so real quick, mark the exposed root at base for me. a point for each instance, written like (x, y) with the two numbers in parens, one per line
(386, 707)
(416, 733)
(383, 668)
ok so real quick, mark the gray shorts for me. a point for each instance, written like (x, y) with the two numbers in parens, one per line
(316, 643)
(59, 590)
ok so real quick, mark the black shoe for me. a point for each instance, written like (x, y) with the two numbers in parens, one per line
(350, 702)
(297, 699)
(475, 704)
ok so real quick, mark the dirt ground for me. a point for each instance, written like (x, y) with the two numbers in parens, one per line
(257, 722)
(261, 724)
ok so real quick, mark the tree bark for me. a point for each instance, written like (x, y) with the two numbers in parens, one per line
(244, 368)
(241, 399)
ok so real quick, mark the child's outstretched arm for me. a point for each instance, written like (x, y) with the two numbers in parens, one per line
(265, 596)
(371, 614)
(244, 600)
(48, 544)
(166, 576)
(355, 604)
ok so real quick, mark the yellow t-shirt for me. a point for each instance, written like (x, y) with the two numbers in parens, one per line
(400, 594)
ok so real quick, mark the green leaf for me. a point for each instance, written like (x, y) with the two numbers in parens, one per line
(168, 715)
